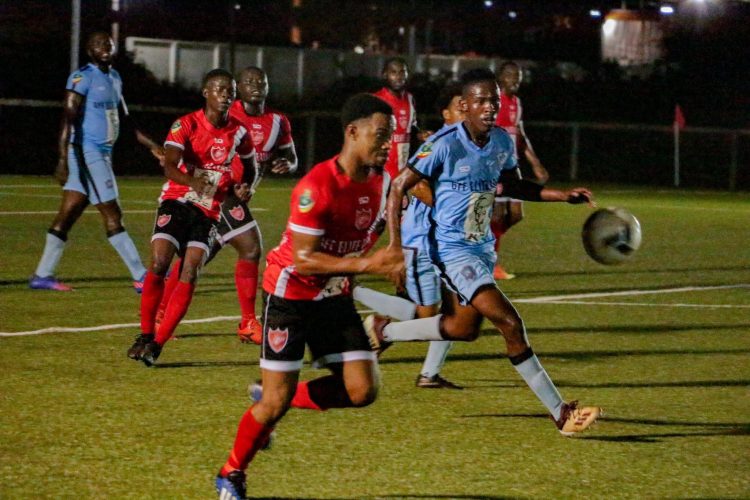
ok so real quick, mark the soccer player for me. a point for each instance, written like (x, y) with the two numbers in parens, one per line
(422, 281)
(333, 211)
(509, 212)
(395, 75)
(271, 135)
(463, 165)
(89, 129)
(199, 164)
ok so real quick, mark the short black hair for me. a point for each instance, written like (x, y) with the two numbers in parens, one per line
(474, 76)
(214, 73)
(507, 64)
(446, 95)
(252, 68)
(395, 59)
(363, 106)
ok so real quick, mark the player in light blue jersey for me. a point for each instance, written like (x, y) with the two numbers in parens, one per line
(89, 129)
(463, 167)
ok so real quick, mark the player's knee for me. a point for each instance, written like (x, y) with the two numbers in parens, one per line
(273, 406)
(459, 330)
(512, 329)
(159, 265)
(249, 254)
(189, 274)
(362, 394)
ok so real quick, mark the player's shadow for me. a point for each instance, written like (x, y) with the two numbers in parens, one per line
(692, 429)
(629, 271)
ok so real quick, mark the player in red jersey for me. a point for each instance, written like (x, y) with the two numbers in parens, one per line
(200, 168)
(508, 212)
(334, 211)
(395, 75)
(271, 135)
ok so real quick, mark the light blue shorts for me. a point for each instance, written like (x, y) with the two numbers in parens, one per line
(465, 270)
(422, 280)
(90, 172)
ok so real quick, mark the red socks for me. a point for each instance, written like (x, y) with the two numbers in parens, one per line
(176, 309)
(251, 436)
(246, 280)
(302, 399)
(498, 230)
(153, 288)
(170, 283)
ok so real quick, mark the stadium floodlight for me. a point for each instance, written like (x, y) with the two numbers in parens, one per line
(512, 14)
(358, 49)
(666, 10)
(608, 28)
(595, 13)
(488, 3)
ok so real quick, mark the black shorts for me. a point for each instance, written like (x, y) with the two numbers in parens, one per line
(184, 225)
(235, 219)
(331, 327)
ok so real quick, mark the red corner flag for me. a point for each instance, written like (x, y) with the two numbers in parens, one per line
(679, 118)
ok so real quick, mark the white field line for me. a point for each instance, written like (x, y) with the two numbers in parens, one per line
(558, 299)
(644, 304)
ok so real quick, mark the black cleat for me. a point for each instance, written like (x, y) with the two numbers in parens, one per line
(232, 487)
(150, 353)
(141, 340)
(435, 382)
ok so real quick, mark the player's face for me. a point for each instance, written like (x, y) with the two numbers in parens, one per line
(510, 80)
(374, 138)
(100, 48)
(480, 106)
(395, 75)
(253, 86)
(219, 93)
(453, 113)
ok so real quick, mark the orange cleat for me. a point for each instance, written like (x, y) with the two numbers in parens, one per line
(250, 331)
(501, 274)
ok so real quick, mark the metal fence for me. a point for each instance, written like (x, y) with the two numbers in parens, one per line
(711, 157)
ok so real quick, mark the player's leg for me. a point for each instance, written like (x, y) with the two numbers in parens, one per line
(502, 219)
(248, 246)
(496, 307)
(170, 282)
(71, 207)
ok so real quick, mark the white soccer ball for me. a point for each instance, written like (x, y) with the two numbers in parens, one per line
(611, 235)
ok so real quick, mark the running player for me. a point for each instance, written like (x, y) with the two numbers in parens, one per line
(509, 212)
(395, 75)
(334, 210)
(200, 168)
(271, 135)
(89, 129)
(464, 165)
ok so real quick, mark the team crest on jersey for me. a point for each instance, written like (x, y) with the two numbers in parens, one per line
(277, 338)
(257, 137)
(403, 121)
(176, 126)
(306, 202)
(218, 153)
(425, 150)
(362, 218)
(163, 220)
(237, 213)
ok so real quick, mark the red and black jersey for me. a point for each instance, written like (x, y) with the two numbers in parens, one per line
(268, 132)
(207, 150)
(406, 118)
(344, 213)
(509, 118)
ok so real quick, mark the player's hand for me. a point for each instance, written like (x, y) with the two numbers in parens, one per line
(281, 166)
(158, 153)
(422, 135)
(243, 192)
(389, 262)
(61, 171)
(580, 195)
(200, 184)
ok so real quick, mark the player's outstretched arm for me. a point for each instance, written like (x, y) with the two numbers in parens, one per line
(71, 107)
(157, 150)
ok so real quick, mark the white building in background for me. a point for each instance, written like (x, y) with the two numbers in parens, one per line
(632, 38)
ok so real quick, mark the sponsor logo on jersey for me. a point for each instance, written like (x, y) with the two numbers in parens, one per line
(464, 168)
(237, 213)
(163, 220)
(218, 153)
(425, 150)
(277, 338)
(362, 218)
(306, 203)
(176, 126)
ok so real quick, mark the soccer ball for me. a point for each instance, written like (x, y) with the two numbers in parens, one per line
(611, 235)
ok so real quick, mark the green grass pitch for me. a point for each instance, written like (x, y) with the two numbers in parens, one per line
(671, 367)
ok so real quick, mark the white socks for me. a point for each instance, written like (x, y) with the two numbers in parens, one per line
(128, 253)
(540, 383)
(53, 250)
(416, 329)
(382, 303)
(435, 358)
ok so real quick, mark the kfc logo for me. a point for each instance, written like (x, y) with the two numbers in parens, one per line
(362, 218)
(277, 339)
(218, 153)
(237, 213)
(163, 220)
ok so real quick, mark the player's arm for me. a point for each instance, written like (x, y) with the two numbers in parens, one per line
(405, 181)
(524, 189)
(172, 158)
(422, 192)
(71, 108)
(156, 149)
(245, 189)
(285, 161)
(540, 172)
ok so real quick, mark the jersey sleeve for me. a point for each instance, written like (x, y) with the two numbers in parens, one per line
(429, 159)
(79, 82)
(245, 148)
(285, 134)
(308, 209)
(178, 134)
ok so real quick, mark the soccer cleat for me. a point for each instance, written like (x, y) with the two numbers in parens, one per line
(574, 419)
(232, 487)
(501, 274)
(374, 325)
(150, 353)
(136, 349)
(435, 382)
(252, 331)
(138, 284)
(48, 283)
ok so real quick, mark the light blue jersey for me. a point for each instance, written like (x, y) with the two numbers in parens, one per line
(99, 123)
(463, 178)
